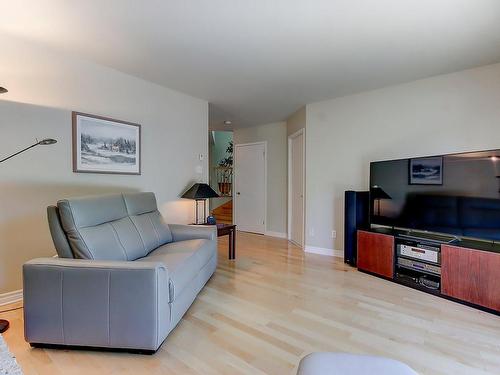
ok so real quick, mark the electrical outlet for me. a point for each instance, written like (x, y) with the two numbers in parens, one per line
(311, 232)
(334, 234)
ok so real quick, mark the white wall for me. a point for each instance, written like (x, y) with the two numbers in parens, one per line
(296, 121)
(44, 87)
(448, 113)
(275, 135)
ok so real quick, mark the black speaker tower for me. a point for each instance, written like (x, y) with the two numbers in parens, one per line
(356, 217)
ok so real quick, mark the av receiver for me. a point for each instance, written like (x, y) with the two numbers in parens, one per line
(426, 253)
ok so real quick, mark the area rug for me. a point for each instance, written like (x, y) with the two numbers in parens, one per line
(8, 363)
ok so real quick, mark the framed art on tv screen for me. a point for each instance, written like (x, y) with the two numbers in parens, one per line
(426, 171)
(105, 145)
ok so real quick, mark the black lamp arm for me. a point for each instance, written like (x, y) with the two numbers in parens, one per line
(47, 141)
(17, 153)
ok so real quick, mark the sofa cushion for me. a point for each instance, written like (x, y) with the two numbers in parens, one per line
(183, 260)
(113, 227)
(140, 203)
(143, 211)
(89, 211)
(100, 228)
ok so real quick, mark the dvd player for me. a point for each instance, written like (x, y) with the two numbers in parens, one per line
(419, 266)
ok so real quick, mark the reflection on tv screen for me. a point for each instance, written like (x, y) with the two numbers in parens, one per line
(457, 194)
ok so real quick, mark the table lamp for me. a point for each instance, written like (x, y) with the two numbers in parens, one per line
(200, 192)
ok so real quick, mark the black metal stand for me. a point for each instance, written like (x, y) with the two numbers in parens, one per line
(204, 211)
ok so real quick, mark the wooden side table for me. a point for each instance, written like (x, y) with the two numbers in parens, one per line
(228, 230)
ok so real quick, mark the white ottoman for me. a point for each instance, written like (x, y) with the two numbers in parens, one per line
(351, 364)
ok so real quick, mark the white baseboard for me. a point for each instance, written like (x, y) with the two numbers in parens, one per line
(11, 297)
(324, 251)
(275, 234)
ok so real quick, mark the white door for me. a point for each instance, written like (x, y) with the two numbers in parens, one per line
(296, 190)
(250, 187)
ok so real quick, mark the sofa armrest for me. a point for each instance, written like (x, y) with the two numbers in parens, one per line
(115, 304)
(193, 232)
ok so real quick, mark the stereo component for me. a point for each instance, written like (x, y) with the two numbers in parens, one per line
(428, 283)
(422, 252)
(418, 262)
(419, 266)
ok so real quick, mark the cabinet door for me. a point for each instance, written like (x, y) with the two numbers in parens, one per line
(376, 253)
(471, 275)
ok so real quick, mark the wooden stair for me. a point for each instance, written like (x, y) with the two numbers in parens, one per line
(224, 213)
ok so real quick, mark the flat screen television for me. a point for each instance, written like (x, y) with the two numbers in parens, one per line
(455, 194)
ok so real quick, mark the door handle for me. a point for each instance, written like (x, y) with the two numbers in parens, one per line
(238, 193)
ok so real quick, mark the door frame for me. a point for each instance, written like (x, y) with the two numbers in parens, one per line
(235, 177)
(289, 200)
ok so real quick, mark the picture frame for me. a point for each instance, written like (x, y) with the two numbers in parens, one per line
(425, 171)
(105, 145)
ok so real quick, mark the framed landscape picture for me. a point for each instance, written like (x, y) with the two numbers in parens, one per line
(104, 145)
(426, 171)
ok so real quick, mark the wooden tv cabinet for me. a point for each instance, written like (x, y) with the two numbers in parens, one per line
(471, 275)
(468, 275)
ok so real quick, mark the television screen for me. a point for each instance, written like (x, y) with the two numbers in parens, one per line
(456, 194)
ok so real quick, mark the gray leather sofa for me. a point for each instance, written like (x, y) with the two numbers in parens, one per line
(123, 278)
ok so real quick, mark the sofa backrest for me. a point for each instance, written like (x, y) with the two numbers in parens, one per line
(143, 212)
(58, 235)
(113, 227)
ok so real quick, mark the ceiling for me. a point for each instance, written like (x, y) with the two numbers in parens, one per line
(257, 61)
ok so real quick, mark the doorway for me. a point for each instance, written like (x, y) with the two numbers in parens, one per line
(221, 175)
(250, 181)
(296, 187)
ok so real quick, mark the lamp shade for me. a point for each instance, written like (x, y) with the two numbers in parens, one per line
(378, 193)
(47, 141)
(200, 191)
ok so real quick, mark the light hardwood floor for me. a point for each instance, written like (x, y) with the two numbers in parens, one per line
(274, 304)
